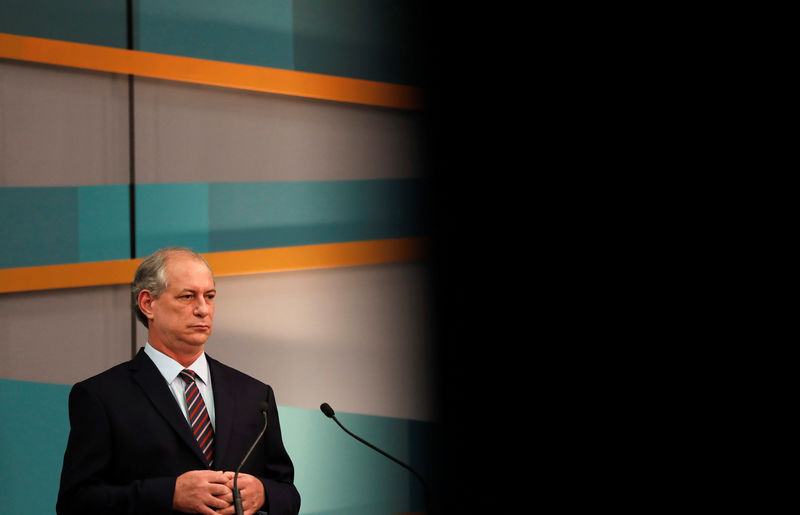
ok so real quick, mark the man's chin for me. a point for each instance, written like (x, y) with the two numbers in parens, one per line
(197, 339)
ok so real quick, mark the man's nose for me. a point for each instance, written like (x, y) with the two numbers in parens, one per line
(201, 307)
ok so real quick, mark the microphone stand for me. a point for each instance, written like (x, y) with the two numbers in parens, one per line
(328, 411)
(237, 496)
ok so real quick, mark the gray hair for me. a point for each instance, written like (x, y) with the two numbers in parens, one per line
(151, 275)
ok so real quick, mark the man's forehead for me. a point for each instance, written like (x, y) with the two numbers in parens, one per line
(187, 271)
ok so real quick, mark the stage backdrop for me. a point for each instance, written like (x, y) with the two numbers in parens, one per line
(105, 159)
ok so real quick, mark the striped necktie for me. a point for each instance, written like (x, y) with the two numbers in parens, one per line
(198, 416)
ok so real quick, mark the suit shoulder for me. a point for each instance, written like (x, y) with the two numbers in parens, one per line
(109, 375)
(120, 374)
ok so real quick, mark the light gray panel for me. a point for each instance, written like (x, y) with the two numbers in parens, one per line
(354, 337)
(63, 336)
(62, 126)
(192, 133)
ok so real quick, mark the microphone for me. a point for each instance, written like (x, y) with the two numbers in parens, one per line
(263, 407)
(328, 411)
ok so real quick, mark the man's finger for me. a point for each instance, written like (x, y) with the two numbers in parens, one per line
(230, 510)
(216, 476)
(205, 510)
(218, 490)
(228, 497)
(215, 502)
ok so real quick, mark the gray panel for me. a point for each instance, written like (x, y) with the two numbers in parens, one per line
(192, 133)
(354, 337)
(63, 336)
(62, 126)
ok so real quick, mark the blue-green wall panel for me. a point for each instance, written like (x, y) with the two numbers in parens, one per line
(376, 40)
(66, 224)
(280, 214)
(171, 214)
(241, 31)
(335, 474)
(33, 435)
(38, 226)
(104, 222)
(96, 22)
(54, 225)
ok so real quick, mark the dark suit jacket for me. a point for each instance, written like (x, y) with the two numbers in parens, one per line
(129, 441)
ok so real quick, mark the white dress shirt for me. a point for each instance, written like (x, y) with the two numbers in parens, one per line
(171, 370)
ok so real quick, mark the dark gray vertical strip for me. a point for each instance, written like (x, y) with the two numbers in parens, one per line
(131, 137)
(131, 163)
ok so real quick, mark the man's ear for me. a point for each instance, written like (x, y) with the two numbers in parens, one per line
(145, 302)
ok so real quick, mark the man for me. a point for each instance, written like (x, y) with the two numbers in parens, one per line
(163, 433)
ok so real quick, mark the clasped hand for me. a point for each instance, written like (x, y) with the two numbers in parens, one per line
(210, 492)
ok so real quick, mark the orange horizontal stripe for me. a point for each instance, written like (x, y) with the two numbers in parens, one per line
(214, 73)
(49, 277)
(238, 262)
(314, 256)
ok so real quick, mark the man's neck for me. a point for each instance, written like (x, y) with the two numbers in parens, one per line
(185, 356)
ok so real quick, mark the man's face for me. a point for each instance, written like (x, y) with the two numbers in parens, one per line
(183, 314)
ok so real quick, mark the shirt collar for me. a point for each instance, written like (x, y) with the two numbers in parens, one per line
(170, 368)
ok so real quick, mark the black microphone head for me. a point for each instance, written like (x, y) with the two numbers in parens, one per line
(263, 407)
(326, 408)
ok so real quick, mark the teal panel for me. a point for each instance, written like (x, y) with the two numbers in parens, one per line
(171, 214)
(242, 31)
(335, 474)
(279, 214)
(96, 22)
(33, 436)
(38, 226)
(104, 222)
(52, 225)
(377, 40)
(367, 39)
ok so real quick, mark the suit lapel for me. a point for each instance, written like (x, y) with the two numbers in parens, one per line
(224, 408)
(157, 391)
